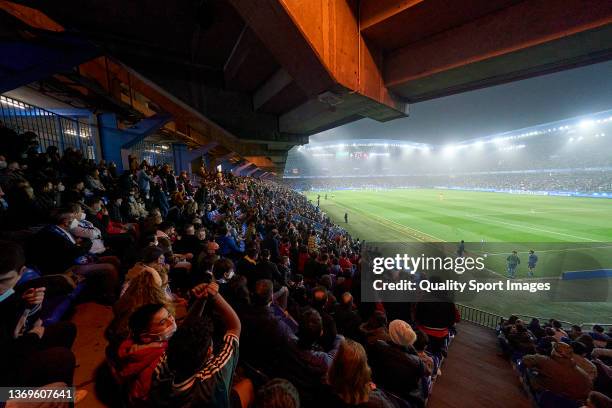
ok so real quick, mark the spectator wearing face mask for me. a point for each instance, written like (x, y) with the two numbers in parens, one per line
(223, 271)
(191, 373)
(54, 250)
(151, 326)
(32, 354)
(85, 229)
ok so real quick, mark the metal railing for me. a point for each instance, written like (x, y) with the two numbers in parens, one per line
(51, 129)
(479, 317)
(492, 320)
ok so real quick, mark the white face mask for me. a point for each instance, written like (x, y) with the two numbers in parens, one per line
(3, 164)
(74, 223)
(60, 187)
(82, 217)
(166, 334)
(229, 274)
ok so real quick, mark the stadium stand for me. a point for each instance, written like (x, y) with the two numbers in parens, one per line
(210, 264)
(567, 156)
(559, 366)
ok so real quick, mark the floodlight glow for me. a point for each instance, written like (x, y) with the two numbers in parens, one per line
(580, 138)
(571, 139)
(449, 150)
(479, 144)
(587, 123)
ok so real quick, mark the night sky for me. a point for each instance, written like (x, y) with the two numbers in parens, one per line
(493, 110)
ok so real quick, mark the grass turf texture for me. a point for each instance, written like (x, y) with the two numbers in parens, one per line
(550, 225)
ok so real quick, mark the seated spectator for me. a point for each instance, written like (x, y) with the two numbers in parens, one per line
(32, 354)
(55, 251)
(85, 229)
(191, 242)
(559, 332)
(94, 183)
(277, 393)
(587, 341)
(152, 261)
(284, 268)
(520, 340)
(350, 380)
(165, 236)
(321, 304)
(558, 373)
(347, 318)
(228, 246)
(535, 328)
(579, 357)
(264, 336)
(600, 338)
(375, 329)
(598, 400)
(247, 265)
(191, 373)
(545, 343)
(575, 332)
(420, 345)
(223, 271)
(145, 288)
(266, 269)
(395, 364)
(151, 326)
(308, 344)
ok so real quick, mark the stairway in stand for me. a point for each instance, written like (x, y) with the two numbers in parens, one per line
(475, 376)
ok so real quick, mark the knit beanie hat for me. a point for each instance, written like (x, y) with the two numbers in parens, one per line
(401, 333)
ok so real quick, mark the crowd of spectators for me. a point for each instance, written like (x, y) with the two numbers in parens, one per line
(213, 280)
(561, 367)
(596, 181)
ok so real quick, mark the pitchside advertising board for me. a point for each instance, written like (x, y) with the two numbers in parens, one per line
(443, 271)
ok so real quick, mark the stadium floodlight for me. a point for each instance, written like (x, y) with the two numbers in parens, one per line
(479, 144)
(449, 150)
(587, 123)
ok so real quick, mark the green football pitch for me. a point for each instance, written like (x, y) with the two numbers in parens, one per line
(577, 231)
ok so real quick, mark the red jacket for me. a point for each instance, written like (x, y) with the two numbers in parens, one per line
(136, 365)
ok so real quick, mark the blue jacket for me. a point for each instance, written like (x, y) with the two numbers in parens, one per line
(228, 246)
